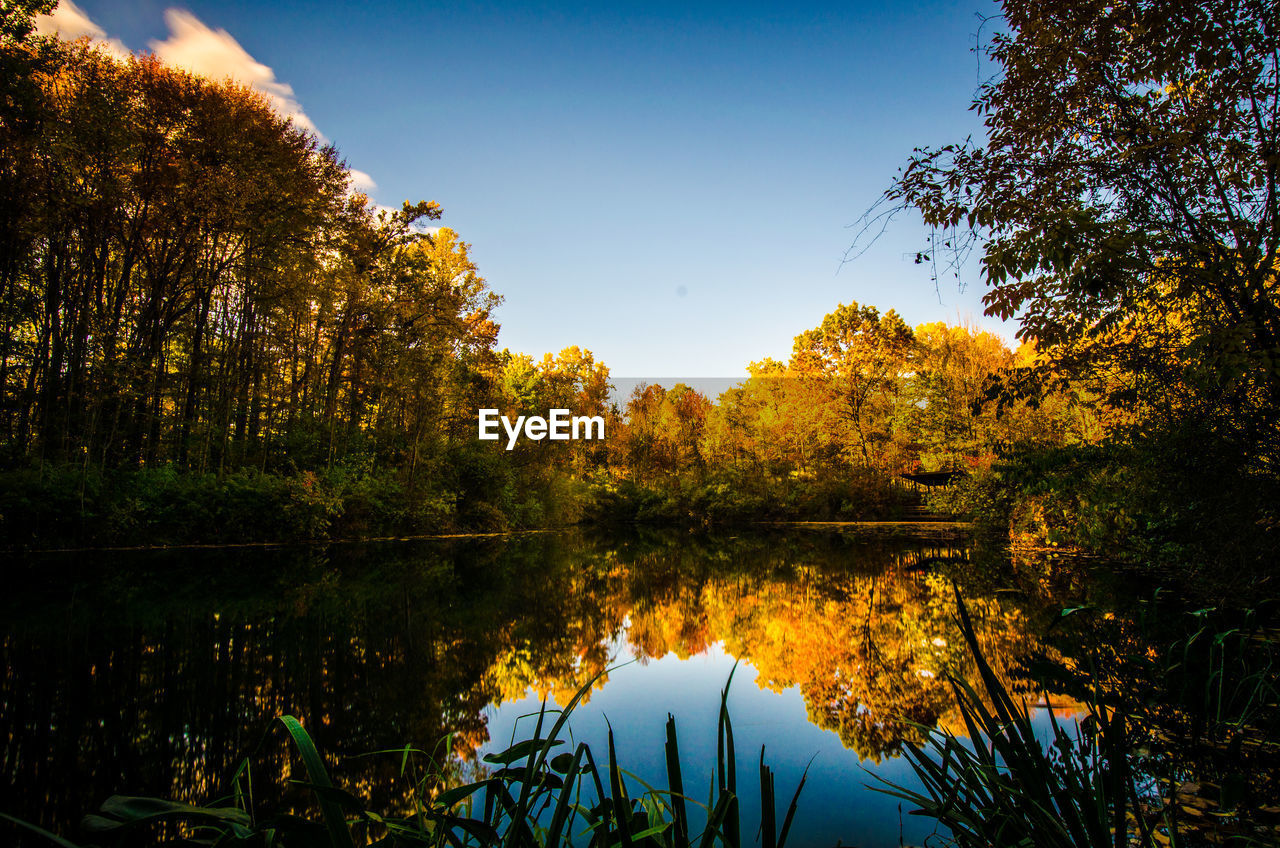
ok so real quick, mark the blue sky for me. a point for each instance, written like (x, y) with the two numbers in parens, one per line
(668, 185)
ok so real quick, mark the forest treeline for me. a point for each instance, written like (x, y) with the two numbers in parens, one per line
(208, 335)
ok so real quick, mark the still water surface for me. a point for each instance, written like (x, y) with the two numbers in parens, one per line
(157, 673)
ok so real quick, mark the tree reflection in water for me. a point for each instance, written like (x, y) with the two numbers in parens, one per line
(156, 673)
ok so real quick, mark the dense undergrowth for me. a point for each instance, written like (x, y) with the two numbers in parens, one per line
(739, 499)
(66, 506)
(1180, 499)
(59, 507)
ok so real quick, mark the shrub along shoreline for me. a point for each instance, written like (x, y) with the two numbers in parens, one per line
(60, 507)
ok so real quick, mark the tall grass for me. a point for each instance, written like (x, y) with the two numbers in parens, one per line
(1085, 786)
(536, 796)
(1003, 787)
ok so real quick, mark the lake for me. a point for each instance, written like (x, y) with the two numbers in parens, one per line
(157, 672)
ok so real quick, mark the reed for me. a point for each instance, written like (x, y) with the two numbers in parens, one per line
(537, 796)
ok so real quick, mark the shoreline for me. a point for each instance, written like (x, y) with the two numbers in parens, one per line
(875, 529)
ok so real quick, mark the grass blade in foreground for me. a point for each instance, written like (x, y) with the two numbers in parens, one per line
(1004, 789)
(512, 816)
(334, 819)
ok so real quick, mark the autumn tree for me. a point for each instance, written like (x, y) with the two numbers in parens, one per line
(1130, 165)
(572, 380)
(187, 277)
(661, 432)
(866, 354)
(638, 445)
(942, 412)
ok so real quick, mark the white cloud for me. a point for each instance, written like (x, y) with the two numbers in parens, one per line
(360, 181)
(216, 54)
(195, 47)
(69, 22)
(192, 46)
